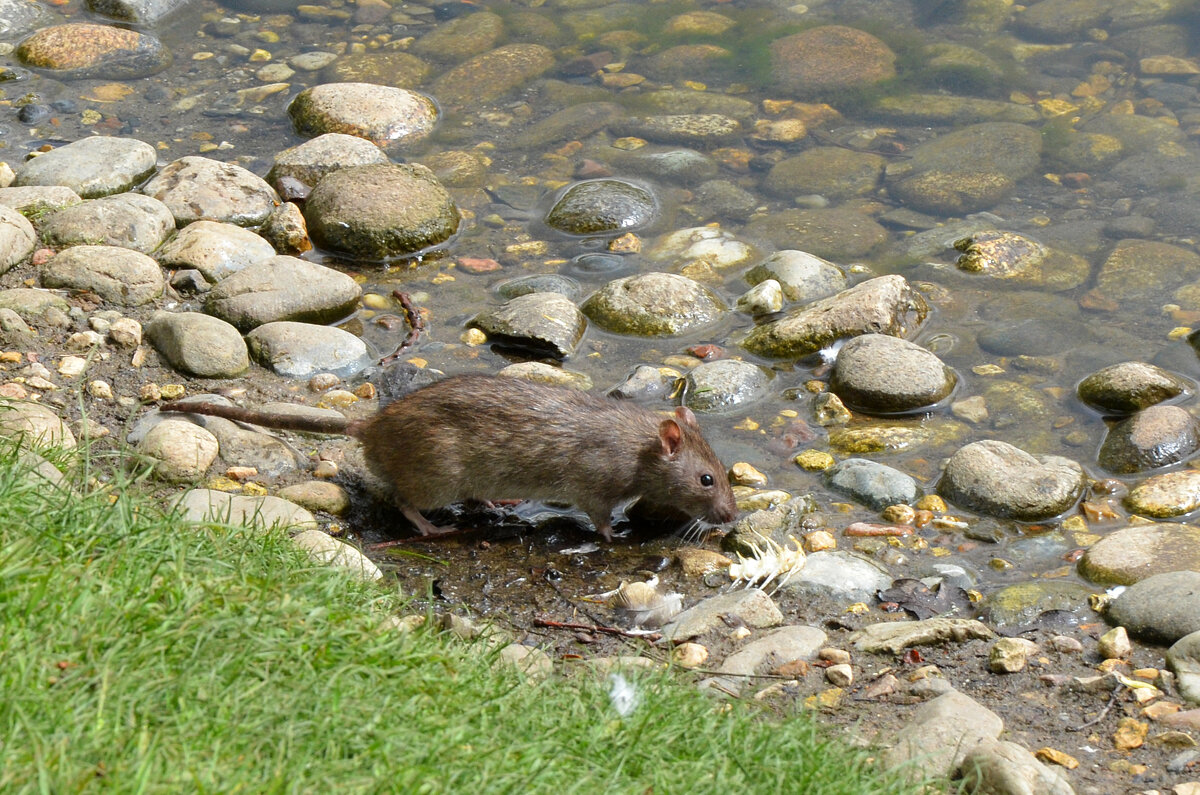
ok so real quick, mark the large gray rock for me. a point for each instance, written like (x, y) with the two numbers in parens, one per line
(873, 484)
(829, 57)
(92, 167)
(1130, 386)
(804, 277)
(753, 607)
(298, 350)
(380, 211)
(17, 238)
(941, 733)
(32, 304)
(1161, 608)
(312, 160)
(20, 16)
(838, 576)
(881, 373)
(461, 38)
(1018, 259)
(33, 200)
(840, 234)
(653, 305)
(196, 188)
(724, 384)
(828, 171)
(198, 344)
(34, 425)
(546, 322)
(1155, 437)
(382, 115)
(128, 220)
(215, 249)
(283, 288)
(886, 304)
(998, 479)
(1134, 553)
(118, 275)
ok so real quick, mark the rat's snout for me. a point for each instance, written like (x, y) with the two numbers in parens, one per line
(725, 511)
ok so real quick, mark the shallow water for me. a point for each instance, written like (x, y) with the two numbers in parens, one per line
(193, 107)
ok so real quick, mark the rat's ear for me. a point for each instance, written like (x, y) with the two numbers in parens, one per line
(685, 415)
(671, 436)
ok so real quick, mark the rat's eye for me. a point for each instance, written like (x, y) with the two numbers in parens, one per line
(706, 479)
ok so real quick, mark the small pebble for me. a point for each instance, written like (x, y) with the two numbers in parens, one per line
(325, 469)
(150, 392)
(323, 381)
(100, 390)
(241, 473)
(338, 399)
(125, 333)
(72, 366)
(840, 675)
(819, 541)
(743, 474)
(690, 655)
(833, 655)
(84, 340)
(173, 391)
(365, 391)
(899, 514)
(1115, 645)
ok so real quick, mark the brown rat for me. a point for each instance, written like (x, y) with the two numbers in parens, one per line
(480, 437)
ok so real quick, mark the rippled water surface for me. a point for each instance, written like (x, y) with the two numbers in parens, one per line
(1024, 348)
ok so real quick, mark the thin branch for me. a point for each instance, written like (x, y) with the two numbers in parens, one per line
(416, 324)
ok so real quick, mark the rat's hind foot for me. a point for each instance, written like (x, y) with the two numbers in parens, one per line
(423, 525)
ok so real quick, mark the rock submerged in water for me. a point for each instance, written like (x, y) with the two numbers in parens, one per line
(724, 384)
(998, 479)
(877, 372)
(1134, 553)
(600, 206)
(830, 57)
(85, 50)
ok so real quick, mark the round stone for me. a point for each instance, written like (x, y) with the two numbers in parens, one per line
(1134, 553)
(804, 277)
(85, 50)
(380, 211)
(197, 188)
(181, 451)
(600, 206)
(214, 249)
(828, 171)
(312, 160)
(1167, 495)
(128, 220)
(118, 275)
(490, 75)
(1161, 608)
(998, 479)
(829, 57)
(873, 484)
(283, 288)
(545, 322)
(877, 372)
(298, 350)
(92, 167)
(724, 384)
(382, 115)
(1155, 437)
(1130, 386)
(653, 305)
(198, 344)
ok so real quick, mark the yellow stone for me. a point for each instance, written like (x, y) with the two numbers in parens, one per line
(254, 489)
(931, 502)
(987, 369)
(814, 460)
(1050, 108)
(744, 474)
(224, 484)
(1130, 734)
(1054, 756)
(826, 699)
(819, 541)
(173, 391)
(746, 425)
(628, 243)
(109, 92)
(628, 143)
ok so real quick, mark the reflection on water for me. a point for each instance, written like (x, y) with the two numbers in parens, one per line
(1102, 104)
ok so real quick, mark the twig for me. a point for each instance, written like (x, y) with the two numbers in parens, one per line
(1112, 700)
(653, 637)
(416, 324)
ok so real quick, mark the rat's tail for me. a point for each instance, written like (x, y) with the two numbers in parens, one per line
(287, 422)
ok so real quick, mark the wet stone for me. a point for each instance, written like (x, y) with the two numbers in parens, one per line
(998, 479)
(283, 288)
(181, 452)
(876, 372)
(881, 437)
(461, 38)
(645, 383)
(689, 129)
(208, 505)
(540, 283)
(1166, 496)
(720, 198)
(118, 275)
(602, 205)
(17, 238)
(752, 606)
(681, 102)
(380, 211)
(240, 446)
(829, 57)
(127, 220)
(948, 109)
(681, 166)
(886, 304)
(573, 122)
(685, 62)
(1130, 386)
(85, 50)
(197, 188)
(764, 298)
(1154, 437)
(1020, 604)
(92, 167)
(36, 199)
(20, 16)
(198, 344)
(214, 249)
(871, 483)
(492, 74)
(1161, 608)
(1035, 336)
(297, 350)
(711, 245)
(838, 234)
(653, 305)
(1133, 553)
(1023, 260)
(142, 12)
(381, 114)
(829, 171)
(395, 69)
(285, 230)
(457, 169)
(838, 577)
(724, 384)
(1140, 271)
(312, 160)
(544, 321)
(1184, 659)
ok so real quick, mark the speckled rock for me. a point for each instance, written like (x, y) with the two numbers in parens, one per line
(297, 350)
(92, 167)
(1161, 608)
(208, 505)
(283, 288)
(380, 211)
(724, 384)
(1130, 386)
(323, 548)
(724, 199)
(314, 159)
(543, 373)
(839, 234)
(871, 483)
(198, 344)
(540, 283)
(890, 437)
(829, 57)
(118, 275)
(85, 50)
(17, 238)
(681, 166)
(546, 322)
(32, 304)
(34, 425)
(318, 495)
(213, 248)
(600, 206)
(33, 200)
(127, 220)
(383, 115)
(952, 109)
(829, 171)
(286, 231)
(1008, 256)
(20, 16)
(181, 451)
(880, 373)
(653, 305)
(682, 101)
(1140, 271)
(804, 277)
(492, 74)
(998, 479)
(886, 304)
(967, 170)
(461, 38)
(689, 129)
(1154, 437)
(1165, 496)
(241, 446)
(197, 188)
(1134, 553)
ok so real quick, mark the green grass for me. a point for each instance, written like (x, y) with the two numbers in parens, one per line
(142, 654)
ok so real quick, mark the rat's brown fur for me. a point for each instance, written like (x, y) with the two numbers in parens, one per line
(478, 437)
